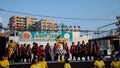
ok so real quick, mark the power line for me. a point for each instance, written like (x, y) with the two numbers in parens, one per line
(50, 16)
(106, 25)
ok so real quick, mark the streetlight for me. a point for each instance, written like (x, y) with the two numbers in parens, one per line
(118, 24)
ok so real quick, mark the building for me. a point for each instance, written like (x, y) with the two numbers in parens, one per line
(78, 37)
(47, 25)
(21, 22)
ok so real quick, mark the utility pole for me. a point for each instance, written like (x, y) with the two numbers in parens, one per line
(118, 29)
(118, 24)
(98, 31)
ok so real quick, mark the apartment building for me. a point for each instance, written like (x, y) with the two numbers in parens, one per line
(47, 25)
(21, 22)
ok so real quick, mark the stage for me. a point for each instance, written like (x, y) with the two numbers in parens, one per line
(55, 64)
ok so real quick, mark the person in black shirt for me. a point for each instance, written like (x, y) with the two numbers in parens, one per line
(78, 51)
(29, 52)
(72, 50)
(95, 50)
(89, 51)
(35, 49)
(84, 50)
(67, 51)
(17, 53)
(48, 52)
(55, 54)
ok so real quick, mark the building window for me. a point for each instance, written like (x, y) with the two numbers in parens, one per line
(48, 26)
(44, 26)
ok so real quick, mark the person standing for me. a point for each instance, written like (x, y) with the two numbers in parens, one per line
(17, 53)
(89, 51)
(95, 50)
(21, 53)
(12, 45)
(29, 52)
(78, 51)
(41, 52)
(115, 63)
(35, 49)
(99, 63)
(66, 51)
(84, 50)
(67, 64)
(48, 52)
(24, 51)
(72, 50)
(11, 49)
(55, 53)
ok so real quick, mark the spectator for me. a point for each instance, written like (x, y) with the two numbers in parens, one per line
(115, 63)
(99, 63)
(4, 63)
(43, 63)
(118, 54)
(35, 63)
(72, 50)
(113, 55)
(67, 64)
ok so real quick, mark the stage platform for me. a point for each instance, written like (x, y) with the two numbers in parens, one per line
(55, 64)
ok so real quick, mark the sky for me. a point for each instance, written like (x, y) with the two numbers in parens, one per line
(87, 9)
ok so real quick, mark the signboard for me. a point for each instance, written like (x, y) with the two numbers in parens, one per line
(29, 36)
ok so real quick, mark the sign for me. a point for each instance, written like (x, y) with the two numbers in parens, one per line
(28, 36)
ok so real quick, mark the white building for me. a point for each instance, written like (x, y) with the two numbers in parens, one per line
(77, 37)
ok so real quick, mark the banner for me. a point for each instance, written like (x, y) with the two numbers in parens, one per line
(29, 36)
